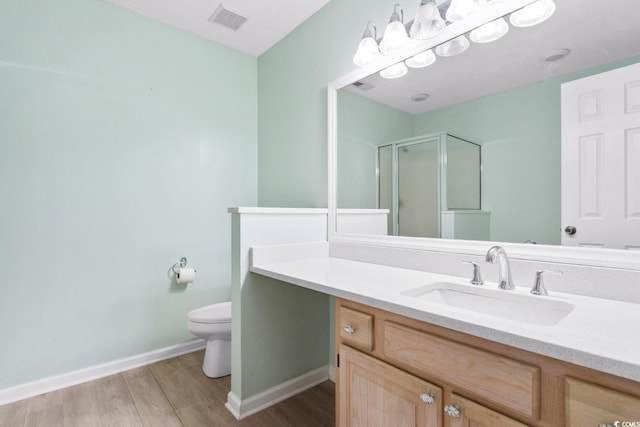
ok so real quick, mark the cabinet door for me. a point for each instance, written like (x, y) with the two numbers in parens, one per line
(375, 394)
(466, 413)
(592, 405)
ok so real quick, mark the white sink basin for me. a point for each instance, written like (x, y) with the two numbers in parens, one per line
(535, 310)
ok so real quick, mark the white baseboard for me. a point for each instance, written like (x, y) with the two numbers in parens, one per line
(45, 385)
(332, 373)
(243, 408)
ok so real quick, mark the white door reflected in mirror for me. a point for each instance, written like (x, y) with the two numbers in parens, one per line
(600, 158)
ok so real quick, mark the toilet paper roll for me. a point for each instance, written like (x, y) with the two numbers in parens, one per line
(185, 275)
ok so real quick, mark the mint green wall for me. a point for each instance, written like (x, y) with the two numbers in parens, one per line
(280, 331)
(292, 82)
(520, 135)
(363, 125)
(292, 105)
(122, 143)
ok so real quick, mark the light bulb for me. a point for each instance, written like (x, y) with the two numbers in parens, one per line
(533, 14)
(422, 59)
(367, 52)
(395, 35)
(367, 48)
(453, 47)
(490, 31)
(428, 23)
(395, 71)
(461, 9)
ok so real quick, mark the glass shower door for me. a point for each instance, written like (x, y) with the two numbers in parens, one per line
(418, 189)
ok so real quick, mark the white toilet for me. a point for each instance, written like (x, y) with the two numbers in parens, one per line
(213, 324)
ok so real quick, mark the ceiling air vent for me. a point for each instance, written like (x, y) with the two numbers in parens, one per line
(363, 86)
(226, 18)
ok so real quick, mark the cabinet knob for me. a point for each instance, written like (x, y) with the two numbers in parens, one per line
(452, 410)
(427, 398)
(349, 329)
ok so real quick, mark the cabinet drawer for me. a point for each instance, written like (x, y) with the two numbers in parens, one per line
(356, 328)
(474, 414)
(512, 384)
(588, 404)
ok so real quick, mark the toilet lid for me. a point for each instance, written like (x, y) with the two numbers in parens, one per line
(216, 313)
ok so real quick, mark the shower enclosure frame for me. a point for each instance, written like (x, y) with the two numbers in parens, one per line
(441, 140)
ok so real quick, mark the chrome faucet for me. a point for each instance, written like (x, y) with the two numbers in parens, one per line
(497, 253)
(538, 286)
(477, 278)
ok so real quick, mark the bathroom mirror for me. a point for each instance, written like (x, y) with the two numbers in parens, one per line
(504, 95)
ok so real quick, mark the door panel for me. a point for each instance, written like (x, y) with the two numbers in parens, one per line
(375, 394)
(418, 190)
(600, 158)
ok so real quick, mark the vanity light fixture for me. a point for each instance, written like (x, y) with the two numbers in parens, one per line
(422, 59)
(461, 9)
(490, 31)
(428, 23)
(395, 71)
(395, 35)
(368, 50)
(453, 47)
(533, 13)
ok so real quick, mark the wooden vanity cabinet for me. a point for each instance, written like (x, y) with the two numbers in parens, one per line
(396, 371)
(377, 394)
(588, 403)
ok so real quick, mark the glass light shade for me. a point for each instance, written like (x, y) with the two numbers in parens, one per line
(533, 14)
(423, 59)
(367, 52)
(453, 47)
(461, 9)
(490, 31)
(395, 71)
(395, 37)
(428, 23)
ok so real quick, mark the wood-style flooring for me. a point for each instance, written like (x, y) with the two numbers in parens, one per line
(173, 392)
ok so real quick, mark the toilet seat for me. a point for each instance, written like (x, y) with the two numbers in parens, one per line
(212, 314)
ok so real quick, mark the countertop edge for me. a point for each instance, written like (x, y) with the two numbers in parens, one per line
(567, 354)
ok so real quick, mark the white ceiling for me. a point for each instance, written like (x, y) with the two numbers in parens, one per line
(597, 32)
(267, 21)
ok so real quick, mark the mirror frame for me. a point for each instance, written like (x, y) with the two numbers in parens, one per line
(612, 258)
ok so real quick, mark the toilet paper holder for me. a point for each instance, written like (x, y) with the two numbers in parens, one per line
(181, 264)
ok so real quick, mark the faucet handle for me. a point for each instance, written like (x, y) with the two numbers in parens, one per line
(477, 278)
(538, 286)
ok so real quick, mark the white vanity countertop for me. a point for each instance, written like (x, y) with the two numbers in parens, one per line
(600, 334)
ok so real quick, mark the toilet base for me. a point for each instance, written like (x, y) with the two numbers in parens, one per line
(217, 359)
